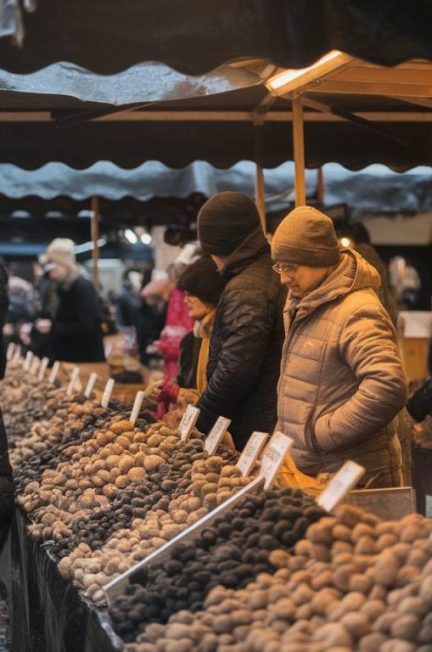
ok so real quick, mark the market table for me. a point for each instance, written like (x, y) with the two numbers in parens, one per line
(46, 612)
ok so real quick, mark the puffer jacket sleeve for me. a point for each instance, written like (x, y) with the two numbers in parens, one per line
(368, 346)
(248, 317)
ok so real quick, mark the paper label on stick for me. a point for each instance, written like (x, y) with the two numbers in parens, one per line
(273, 457)
(106, 397)
(136, 407)
(251, 452)
(54, 371)
(74, 377)
(35, 365)
(188, 422)
(216, 434)
(10, 351)
(17, 353)
(341, 483)
(43, 368)
(90, 384)
(28, 360)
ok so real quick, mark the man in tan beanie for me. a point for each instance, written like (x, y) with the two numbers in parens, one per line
(342, 381)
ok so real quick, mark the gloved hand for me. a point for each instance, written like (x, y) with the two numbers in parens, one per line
(420, 403)
(169, 392)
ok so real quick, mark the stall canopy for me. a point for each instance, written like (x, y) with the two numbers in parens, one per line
(108, 36)
(154, 192)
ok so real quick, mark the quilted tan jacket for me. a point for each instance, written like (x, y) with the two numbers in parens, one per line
(342, 381)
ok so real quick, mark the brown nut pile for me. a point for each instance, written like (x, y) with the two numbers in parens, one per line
(354, 583)
(130, 545)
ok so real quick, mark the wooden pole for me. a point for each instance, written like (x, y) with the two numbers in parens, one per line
(95, 239)
(320, 186)
(298, 146)
(260, 196)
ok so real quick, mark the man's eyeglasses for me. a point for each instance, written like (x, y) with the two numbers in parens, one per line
(281, 268)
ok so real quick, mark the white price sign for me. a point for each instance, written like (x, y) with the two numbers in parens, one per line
(106, 397)
(251, 452)
(74, 377)
(28, 360)
(273, 457)
(10, 351)
(216, 434)
(136, 407)
(90, 385)
(341, 483)
(35, 365)
(17, 353)
(54, 371)
(43, 368)
(187, 424)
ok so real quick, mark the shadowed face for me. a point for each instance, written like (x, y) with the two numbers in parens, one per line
(301, 279)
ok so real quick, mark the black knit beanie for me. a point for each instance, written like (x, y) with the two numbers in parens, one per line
(202, 280)
(225, 221)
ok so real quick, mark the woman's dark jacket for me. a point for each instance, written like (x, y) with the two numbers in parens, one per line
(246, 344)
(76, 331)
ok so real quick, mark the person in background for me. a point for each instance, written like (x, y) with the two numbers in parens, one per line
(151, 318)
(202, 286)
(246, 341)
(76, 333)
(128, 302)
(342, 380)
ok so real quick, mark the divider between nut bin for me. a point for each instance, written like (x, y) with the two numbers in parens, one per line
(116, 587)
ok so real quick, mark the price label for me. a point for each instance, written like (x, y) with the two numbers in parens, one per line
(35, 365)
(251, 452)
(90, 385)
(28, 360)
(54, 371)
(273, 457)
(106, 396)
(187, 424)
(216, 434)
(136, 407)
(341, 483)
(17, 353)
(10, 351)
(74, 377)
(108, 350)
(43, 368)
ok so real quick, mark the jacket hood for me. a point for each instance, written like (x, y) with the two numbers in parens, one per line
(252, 247)
(353, 273)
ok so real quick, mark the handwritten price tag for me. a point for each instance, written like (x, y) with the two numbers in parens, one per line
(216, 434)
(43, 368)
(344, 480)
(106, 397)
(273, 457)
(35, 365)
(17, 353)
(251, 452)
(54, 371)
(10, 351)
(187, 424)
(74, 377)
(28, 360)
(136, 407)
(90, 385)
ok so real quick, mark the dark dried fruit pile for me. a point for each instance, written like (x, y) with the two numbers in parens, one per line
(230, 553)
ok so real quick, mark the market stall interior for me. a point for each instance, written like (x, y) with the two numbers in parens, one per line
(135, 532)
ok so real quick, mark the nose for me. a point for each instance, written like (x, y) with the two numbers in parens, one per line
(286, 278)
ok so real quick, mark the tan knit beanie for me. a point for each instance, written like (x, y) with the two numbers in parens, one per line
(306, 237)
(62, 252)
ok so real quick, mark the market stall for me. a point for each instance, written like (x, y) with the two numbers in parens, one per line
(145, 534)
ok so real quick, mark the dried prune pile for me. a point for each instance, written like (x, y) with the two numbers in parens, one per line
(230, 553)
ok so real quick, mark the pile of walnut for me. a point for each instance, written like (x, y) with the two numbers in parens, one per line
(354, 583)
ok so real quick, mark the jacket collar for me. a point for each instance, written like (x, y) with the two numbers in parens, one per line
(252, 247)
(353, 273)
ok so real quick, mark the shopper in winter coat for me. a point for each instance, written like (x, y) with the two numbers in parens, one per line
(342, 381)
(246, 341)
(76, 333)
(202, 286)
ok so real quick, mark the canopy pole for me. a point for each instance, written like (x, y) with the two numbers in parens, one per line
(260, 196)
(320, 186)
(298, 146)
(95, 240)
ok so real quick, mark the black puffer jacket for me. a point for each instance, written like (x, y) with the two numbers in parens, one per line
(246, 344)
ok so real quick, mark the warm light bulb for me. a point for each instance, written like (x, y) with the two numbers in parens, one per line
(345, 242)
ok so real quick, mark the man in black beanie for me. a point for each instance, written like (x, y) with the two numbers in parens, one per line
(246, 342)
